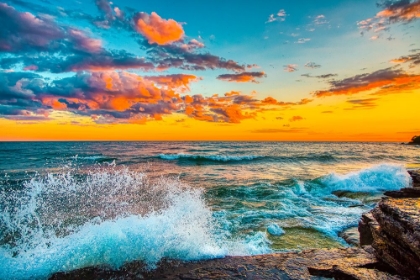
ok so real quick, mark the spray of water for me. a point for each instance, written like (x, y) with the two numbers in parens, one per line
(107, 216)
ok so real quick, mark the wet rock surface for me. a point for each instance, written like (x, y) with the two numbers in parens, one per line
(349, 263)
(393, 230)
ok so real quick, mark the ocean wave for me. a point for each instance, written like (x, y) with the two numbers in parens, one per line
(62, 222)
(93, 157)
(377, 178)
(222, 158)
(300, 205)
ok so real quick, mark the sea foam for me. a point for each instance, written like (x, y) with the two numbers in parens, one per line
(109, 216)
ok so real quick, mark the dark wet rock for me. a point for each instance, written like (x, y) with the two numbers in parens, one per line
(395, 234)
(350, 235)
(393, 229)
(349, 263)
(415, 176)
(405, 193)
(365, 233)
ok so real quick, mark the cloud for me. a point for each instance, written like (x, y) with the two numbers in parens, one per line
(385, 81)
(324, 76)
(312, 65)
(103, 60)
(111, 16)
(242, 77)
(393, 11)
(272, 101)
(400, 10)
(277, 130)
(296, 118)
(158, 30)
(320, 19)
(366, 103)
(41, 44)
(23, 32)
(280, 16)
(414, 59)
(105, 7)
(290, 68)
(122, 97)
(176, 55)
(181, 81)
(302, 40)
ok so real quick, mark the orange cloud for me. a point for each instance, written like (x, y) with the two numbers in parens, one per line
(384, 81)
(296, 118)
(406, 12)
(158, 30)
(414, 59)
(122, 97)
(174, 81)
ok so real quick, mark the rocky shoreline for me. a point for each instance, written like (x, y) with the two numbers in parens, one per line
(389, 248)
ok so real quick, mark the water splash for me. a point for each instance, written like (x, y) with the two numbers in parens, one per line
(108, 216)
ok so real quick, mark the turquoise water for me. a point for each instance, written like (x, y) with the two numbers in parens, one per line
(67, 205)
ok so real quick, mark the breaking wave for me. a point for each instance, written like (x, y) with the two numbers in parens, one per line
(109, 216)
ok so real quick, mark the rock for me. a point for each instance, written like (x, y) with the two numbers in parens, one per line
(350, 235)
(415, 176)
(344, 263)
(404, 192)
(395, 234)
(393, 229)
(365, 233)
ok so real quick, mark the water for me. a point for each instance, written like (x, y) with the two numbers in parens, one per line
(68, 205)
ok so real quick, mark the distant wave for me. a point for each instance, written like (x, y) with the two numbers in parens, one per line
(92, 157)
(223, 158)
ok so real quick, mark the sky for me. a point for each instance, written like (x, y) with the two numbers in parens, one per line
(344, 70)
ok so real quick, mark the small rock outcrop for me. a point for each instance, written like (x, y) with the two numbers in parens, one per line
(415, 140)
(393, 230)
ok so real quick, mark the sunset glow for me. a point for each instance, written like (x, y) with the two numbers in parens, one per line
(277, 71)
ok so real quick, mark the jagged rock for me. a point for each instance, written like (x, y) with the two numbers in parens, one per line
(344, 263)
(365, 233)
(395, 233)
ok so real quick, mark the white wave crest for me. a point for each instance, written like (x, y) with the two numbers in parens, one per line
(224, 158)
